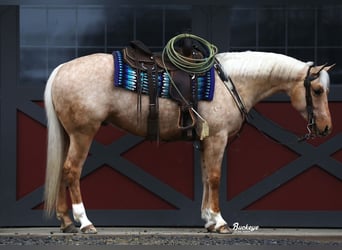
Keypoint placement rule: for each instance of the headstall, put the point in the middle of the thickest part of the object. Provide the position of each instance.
(309, 105)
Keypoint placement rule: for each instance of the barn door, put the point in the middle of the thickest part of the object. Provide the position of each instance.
(268, 180)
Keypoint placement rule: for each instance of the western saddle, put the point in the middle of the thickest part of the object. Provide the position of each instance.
(183, 87)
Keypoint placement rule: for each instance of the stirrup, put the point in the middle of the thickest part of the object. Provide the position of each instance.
(193, 120)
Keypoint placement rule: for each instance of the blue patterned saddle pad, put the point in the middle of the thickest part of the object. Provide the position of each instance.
(126, 77)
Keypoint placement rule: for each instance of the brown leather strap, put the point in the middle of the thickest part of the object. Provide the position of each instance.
(153, 116)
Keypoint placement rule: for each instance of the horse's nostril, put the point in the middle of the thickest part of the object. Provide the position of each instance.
(326, 131)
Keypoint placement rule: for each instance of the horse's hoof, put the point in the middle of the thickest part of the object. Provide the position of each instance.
(70, 229)
(224, 229)
(211, 229)
(89, 229)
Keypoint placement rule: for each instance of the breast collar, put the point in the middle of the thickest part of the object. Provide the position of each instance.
(229, 84)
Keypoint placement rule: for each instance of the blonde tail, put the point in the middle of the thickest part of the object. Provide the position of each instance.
(55, 149)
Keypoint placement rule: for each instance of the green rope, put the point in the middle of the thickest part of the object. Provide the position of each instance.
(190, 65)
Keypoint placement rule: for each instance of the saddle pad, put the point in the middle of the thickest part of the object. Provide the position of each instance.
(126, 77)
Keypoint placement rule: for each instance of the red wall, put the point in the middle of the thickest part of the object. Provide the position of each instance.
(251, 157)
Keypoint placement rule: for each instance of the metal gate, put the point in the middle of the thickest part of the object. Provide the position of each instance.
(269, 185)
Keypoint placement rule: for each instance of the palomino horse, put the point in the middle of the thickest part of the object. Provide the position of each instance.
(80, 96)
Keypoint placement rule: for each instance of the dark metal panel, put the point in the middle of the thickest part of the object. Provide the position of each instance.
(9, 16)
(174, 2)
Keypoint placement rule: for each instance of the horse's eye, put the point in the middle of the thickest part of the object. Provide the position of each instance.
(318, 92)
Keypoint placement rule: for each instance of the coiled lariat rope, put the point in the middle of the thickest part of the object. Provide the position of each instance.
(192, 66)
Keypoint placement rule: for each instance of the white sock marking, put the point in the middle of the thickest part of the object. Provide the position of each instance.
(212, 218)
(80, 215)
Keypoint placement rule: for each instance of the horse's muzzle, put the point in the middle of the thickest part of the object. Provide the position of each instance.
(326, 131)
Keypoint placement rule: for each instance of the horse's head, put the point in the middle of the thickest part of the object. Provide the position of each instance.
(310, 97)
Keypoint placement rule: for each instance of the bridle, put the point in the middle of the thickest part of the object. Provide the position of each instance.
(311, 126)
(309, 105)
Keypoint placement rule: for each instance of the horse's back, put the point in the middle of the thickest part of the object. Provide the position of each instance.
(95, 67)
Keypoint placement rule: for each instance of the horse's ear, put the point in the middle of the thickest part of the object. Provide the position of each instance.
(318, 69)
(327, 68)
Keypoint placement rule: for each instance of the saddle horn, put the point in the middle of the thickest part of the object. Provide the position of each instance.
(186, 47)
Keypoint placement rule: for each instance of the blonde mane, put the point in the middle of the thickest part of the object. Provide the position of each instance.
(261, 64)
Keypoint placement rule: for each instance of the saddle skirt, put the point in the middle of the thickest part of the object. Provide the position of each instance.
(126, 76)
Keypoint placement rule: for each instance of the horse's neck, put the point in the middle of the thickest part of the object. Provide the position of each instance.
(258, 75)
(254, 90)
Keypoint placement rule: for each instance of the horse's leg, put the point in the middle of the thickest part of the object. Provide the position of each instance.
(213, 149)
(71, 174)
(67, 226)
(205, 195)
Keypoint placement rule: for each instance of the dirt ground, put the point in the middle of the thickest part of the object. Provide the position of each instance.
(170, 237)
